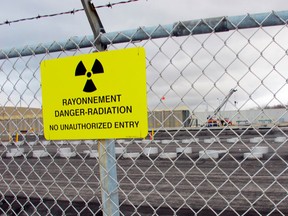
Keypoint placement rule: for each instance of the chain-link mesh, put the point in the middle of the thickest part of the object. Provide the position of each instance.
(217, 107)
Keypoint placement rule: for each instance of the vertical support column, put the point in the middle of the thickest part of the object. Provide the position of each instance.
(108, 177)
(106, 148)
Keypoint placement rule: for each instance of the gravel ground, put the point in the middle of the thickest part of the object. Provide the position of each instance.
(187, 185)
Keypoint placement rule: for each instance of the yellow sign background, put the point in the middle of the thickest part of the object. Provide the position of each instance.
(116, 109)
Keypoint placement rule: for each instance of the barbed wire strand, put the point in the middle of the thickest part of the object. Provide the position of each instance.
(109, 5)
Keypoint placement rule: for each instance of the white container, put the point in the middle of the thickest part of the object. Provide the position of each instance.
(86, 152)
(131, 155)
(16, 152)
(89, 142)
(260, 149)
(208, 154)
(233, 140)
(256, 140)
(120, 150)
(75, 142)
(32, 143)
(251, 155)
(187, 141)
(40, 153)
(150, 151)
(145, 142)
(66, 153)
(165, 142)
(59, 142)
(45, 142)
(220, 151)
(185, 150)
(64, 150)
(168, 155)
(194, 140)
(120, 141)
(211, 140)
(94, 154)
(280, 139)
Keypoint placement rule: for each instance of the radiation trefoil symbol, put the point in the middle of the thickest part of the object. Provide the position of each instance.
(81, 71)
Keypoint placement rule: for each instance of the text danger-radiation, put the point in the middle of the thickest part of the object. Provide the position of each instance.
(93, 111)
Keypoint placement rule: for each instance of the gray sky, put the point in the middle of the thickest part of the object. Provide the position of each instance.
(120, 17)
(152, 13)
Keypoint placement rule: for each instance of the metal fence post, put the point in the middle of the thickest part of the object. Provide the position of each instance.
(106, 148)
(108, 177)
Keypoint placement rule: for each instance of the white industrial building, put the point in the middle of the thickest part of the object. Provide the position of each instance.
(263, 117)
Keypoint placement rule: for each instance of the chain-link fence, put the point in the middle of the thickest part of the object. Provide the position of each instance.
(217, 141)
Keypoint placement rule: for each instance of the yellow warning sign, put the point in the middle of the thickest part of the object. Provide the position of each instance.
(95, 96)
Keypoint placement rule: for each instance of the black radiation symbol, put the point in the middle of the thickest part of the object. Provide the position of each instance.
(81, 70)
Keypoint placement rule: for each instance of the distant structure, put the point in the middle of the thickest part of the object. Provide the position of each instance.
(169, 118)
(23, 120)
(257, 118)
(20, 119)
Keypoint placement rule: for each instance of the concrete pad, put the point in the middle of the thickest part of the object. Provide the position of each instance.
(150, 151)
(168, 155)
(131, 155)
(251, 155)
(185, 150)
(40, 153)
(209, 154)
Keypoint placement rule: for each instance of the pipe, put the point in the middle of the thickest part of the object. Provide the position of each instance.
(192, 27)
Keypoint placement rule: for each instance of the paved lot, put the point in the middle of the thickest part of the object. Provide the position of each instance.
(185, 185)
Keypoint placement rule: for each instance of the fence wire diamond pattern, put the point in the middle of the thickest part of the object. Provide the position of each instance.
(196, 159)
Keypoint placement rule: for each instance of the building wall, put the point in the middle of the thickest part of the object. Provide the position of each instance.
(16, 119)
(168, 118)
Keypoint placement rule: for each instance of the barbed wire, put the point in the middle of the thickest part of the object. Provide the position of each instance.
(109, 5)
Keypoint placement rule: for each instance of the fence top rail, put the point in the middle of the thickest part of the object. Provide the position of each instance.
(182, 28)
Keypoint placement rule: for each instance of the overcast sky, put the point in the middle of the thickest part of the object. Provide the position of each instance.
(152, 13)
(120, 17)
